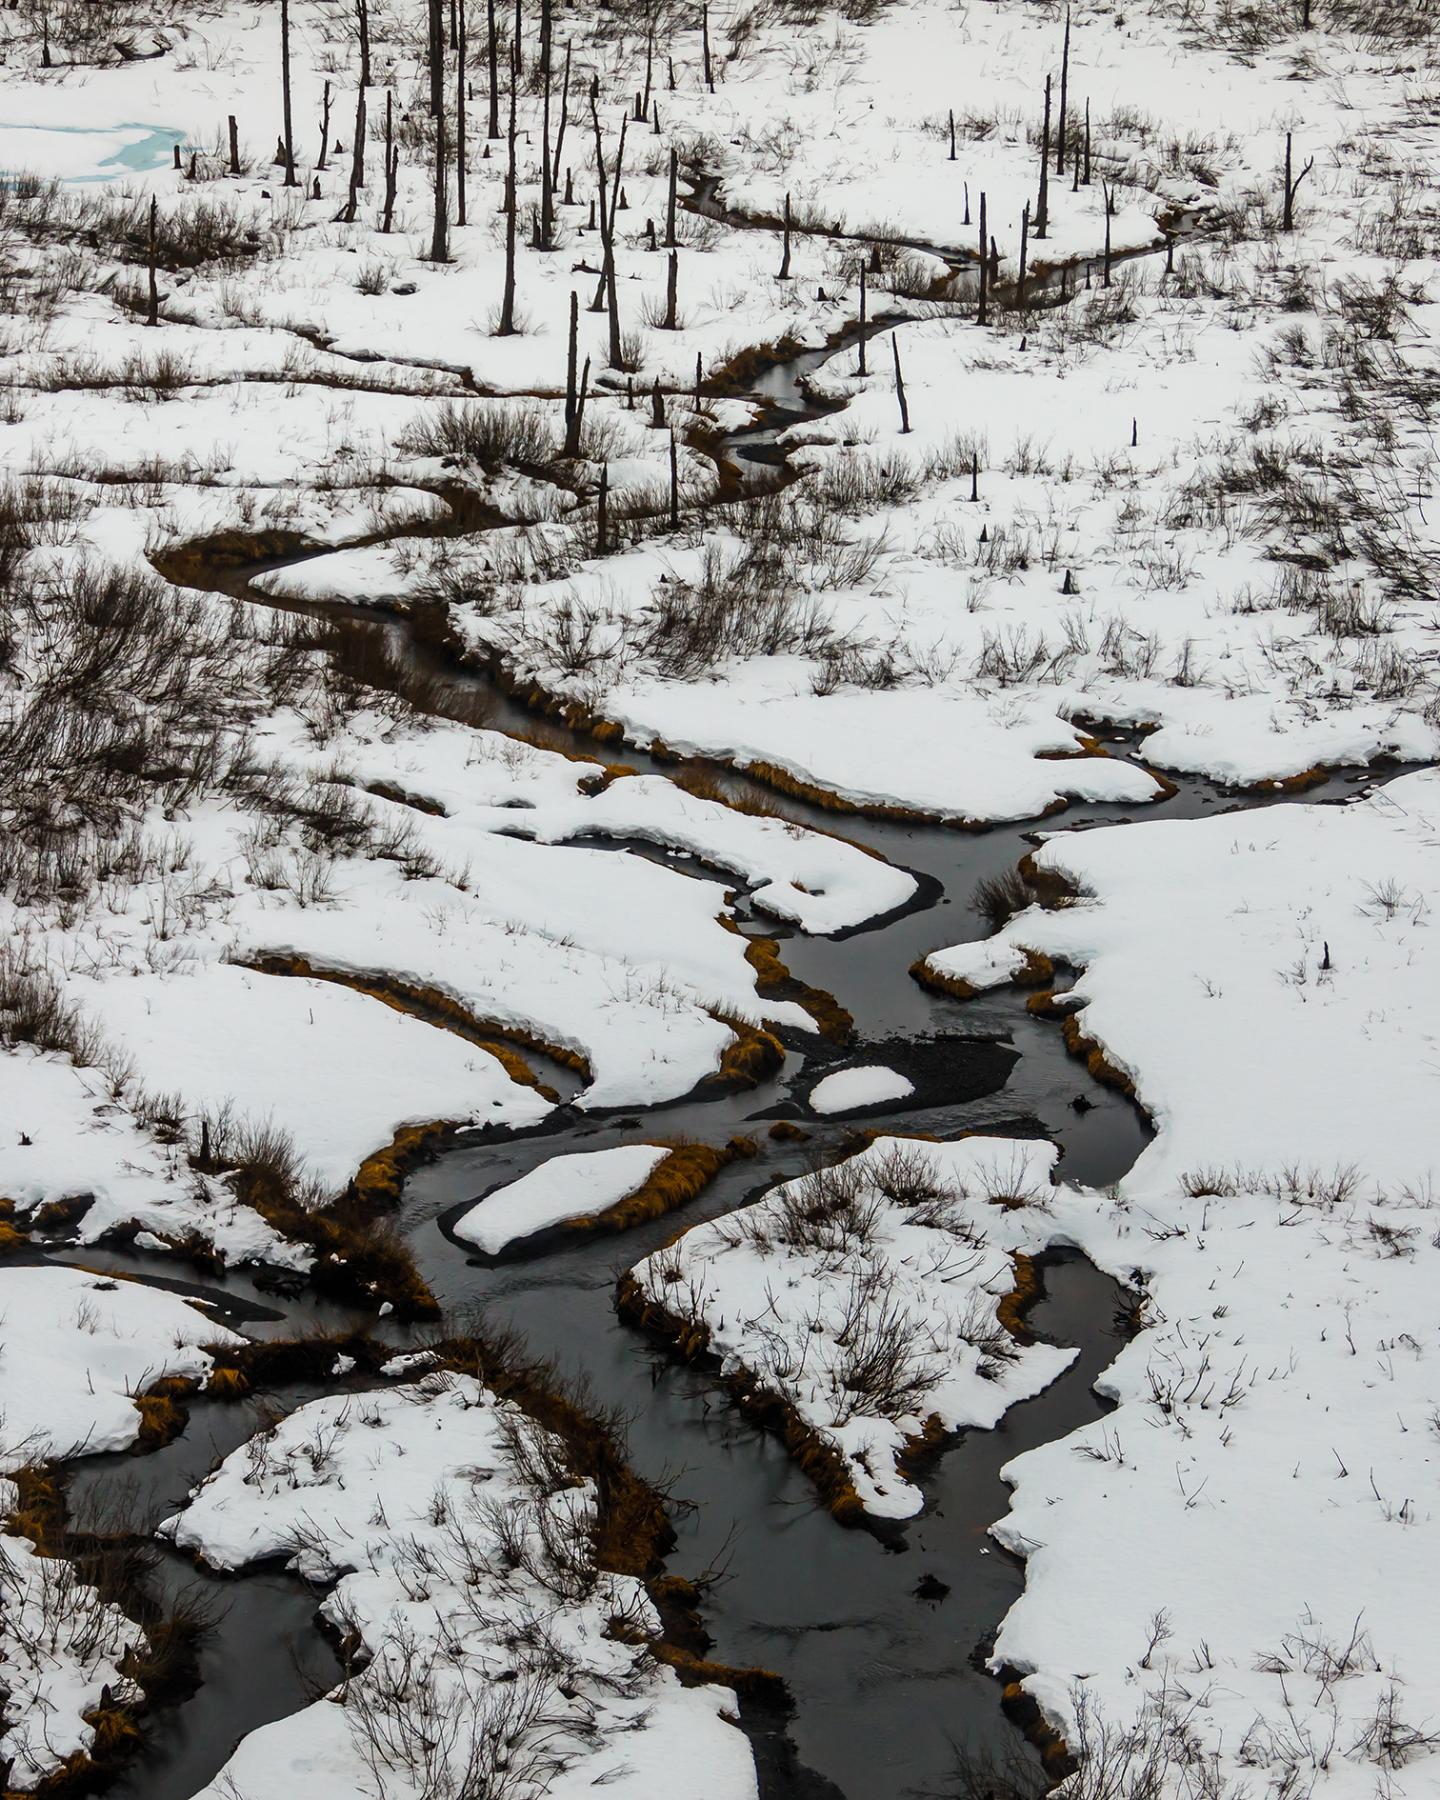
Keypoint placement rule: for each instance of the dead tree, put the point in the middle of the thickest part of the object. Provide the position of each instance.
(324, 127)
(1064, 99)
(152, 314)
(435, 56)
(440, 232)
(492, 130)
(357, 160)
(674, 483)
(705, 47)
(1292, 184)
(506, 327)
(672, 293)
(607, 223)
(289, 141)
(546, 231)
(860, 368)
(560, 135)
(900, 387)
(575, 384)
(671, 198)
(392, 163)
(461, 32)
(785, 253)
(362, 21)
(1024, 256)
(983, 314)
(1042, 205)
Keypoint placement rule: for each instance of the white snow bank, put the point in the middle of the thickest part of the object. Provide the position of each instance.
(1259, 1510)
(68, 1139)
(577, 1186)
(333, 1068)
(476, 1594)
(867, 1085)
(78, 1348)
(866, 1296)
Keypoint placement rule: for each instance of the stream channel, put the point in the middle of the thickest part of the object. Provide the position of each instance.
(889, 1687)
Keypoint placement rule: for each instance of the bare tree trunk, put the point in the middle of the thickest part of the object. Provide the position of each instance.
(362, 17)
(234, 146)
(392, 162)
(900, 388)
(672, 293)
(1024, 256)
(574, 394)
(440, 233)
(461, 46)
(560, 132)
(674, 483)
(983, 315)
(517, 49)
(860, 368)
(1042, 206)
(705, 47)
(152, 316)
(607, 221)
(492, 130)
(357, 160)
(785, 254)
(1064, 98)
(436, 57)
(506, 327)
(670, 199)
(602, 509)
(324, 127)
(547, 180)
(285, 92)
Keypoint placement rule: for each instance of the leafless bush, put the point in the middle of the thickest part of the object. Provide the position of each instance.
(482, 431)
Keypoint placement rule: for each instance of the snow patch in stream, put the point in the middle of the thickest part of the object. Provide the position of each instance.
(576, 1186)
(867, 1085)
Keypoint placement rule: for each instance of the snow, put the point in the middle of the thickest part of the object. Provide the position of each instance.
(414, 1503)
(576, 1186)
(801, 1292)
(79, 1347)
(60, 1649)
(1270, 982)
(83, 1144)
(866, 1085)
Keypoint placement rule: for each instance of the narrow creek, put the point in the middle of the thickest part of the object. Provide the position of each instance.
(888, 1686)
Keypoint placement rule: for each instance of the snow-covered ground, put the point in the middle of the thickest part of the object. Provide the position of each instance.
(866, 1298)
(1240, 1545)
(491, 1648)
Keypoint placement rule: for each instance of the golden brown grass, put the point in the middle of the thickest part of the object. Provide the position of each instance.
(686, 1171)
(751, 1055)
(955, 986)
(1013, 1306)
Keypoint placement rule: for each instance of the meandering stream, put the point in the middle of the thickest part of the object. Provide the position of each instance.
(887, 1684)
